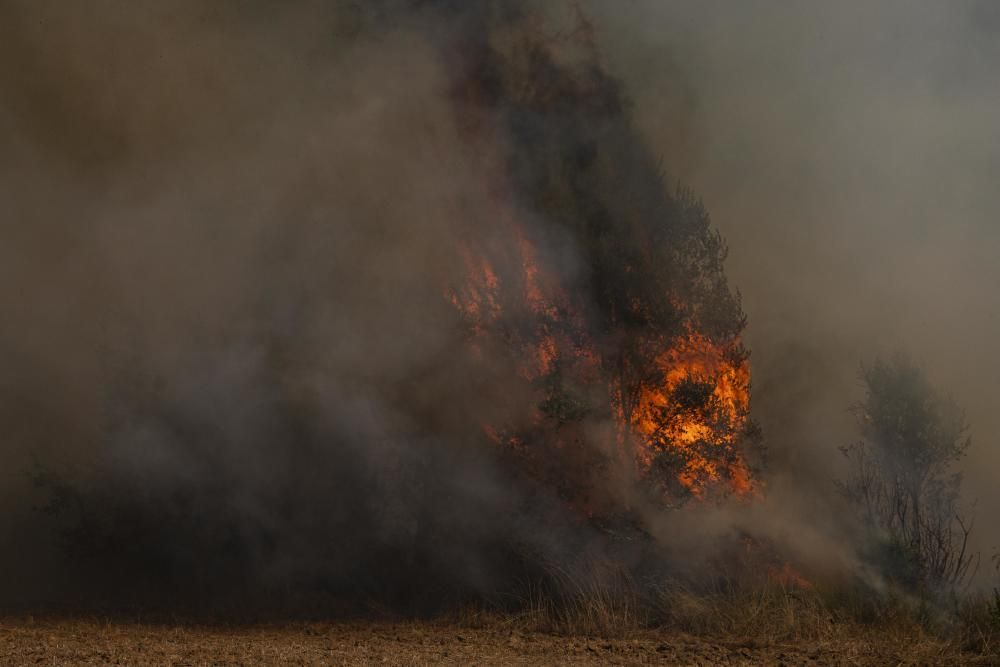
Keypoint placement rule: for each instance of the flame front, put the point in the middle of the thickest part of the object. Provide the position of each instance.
(691, 407)
(693, 413)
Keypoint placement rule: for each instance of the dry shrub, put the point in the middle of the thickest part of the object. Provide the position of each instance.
(978, 624)
(769, 613)
(746, 603)
(601, 599)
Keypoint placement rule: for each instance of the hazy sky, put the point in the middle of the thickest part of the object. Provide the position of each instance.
(850, 153)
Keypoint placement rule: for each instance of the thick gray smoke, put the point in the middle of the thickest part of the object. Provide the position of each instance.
(229, 238)
(849, 152)
(226, 233)
(225, 229)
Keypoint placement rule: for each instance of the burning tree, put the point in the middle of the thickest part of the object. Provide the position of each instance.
(902, 480)
(643, 331)
(572, 319)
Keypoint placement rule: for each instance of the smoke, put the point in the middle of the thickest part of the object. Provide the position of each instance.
(231, 243)
(226, 235)
(227, 232)
(849, 154)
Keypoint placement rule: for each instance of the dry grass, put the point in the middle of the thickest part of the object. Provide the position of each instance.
(598, 616)
(603, 601)
(606, 603)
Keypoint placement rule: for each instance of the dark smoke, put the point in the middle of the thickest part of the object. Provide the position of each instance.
(223, 231)
(233, 369)
(229, 366)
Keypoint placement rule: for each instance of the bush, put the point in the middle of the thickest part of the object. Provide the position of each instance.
(902, 483)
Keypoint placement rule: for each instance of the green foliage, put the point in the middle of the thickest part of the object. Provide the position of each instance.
(917, 433)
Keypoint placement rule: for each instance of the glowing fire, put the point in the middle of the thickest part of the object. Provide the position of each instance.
(691, 409)
(695, 411)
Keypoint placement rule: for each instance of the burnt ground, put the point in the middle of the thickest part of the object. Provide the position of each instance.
(27, 641)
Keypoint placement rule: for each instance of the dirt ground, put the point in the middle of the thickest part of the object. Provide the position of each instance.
(27, 641)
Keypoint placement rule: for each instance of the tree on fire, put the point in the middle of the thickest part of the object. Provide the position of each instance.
(624, 373)
(901, 478)
(651, 301)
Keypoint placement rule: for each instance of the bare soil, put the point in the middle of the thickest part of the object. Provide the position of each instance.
(28, 641)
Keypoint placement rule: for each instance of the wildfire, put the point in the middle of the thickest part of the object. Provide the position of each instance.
(691, 410)
(694, 411)
(477, 298)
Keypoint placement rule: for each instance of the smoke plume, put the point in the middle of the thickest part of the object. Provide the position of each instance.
(235, 240)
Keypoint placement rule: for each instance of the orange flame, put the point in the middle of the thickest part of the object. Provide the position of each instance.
(704, 434)
(690, 413)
